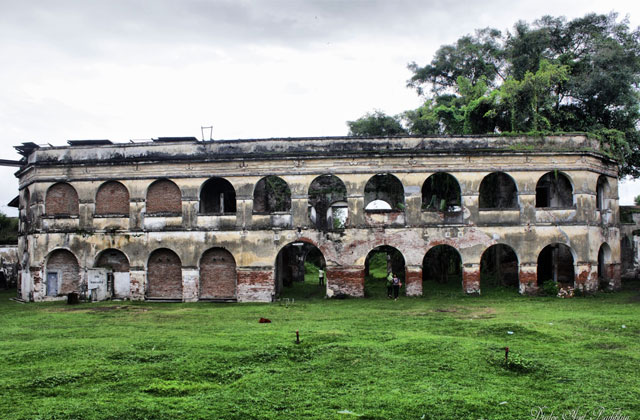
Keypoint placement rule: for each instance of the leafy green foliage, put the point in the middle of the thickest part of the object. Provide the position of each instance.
(636, 200)
(552, 75)
(8, 229)
(550, 288)
(376, 123)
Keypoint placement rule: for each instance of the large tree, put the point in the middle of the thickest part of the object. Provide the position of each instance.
(552, 75)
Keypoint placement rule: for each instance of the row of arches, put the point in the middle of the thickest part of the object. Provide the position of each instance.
(217, 274)
(327, 194)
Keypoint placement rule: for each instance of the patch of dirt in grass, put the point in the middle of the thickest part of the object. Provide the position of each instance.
(481, 313)
(101, 309)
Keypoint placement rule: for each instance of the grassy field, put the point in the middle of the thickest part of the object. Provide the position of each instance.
(436, 357)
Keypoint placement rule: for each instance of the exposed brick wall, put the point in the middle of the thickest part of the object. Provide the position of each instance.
(255, 285)
(112, 198)
(113, 259)
(346, 281)
(66, 264)
(217, 274)
(164, 275)
(61, 199)
(163, 196)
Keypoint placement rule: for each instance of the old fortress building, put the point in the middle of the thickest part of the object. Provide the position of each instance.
(187, 220)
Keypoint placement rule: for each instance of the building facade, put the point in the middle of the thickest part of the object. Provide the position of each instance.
(186, 220)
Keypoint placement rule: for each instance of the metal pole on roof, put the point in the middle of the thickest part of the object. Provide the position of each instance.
(210, 128)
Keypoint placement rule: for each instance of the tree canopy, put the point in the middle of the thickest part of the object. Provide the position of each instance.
(552, 75)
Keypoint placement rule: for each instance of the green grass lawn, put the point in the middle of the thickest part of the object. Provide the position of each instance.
(435, 357)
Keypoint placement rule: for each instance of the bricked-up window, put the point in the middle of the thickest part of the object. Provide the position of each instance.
(217, 275)
(555, 263)
(441, 192)
(384, 188)
(602, 192)
(164, 275)
(499, 267)
(554, 190)
(217, 197)
(62, 273)
(441, 265)
(113, 259)
(498, 191)
(271, 195)
(112, 198)
(324, 192)
(164, 198)
(61, 200)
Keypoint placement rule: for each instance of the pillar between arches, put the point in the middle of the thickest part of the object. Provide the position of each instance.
(345, 280)
(613, 275)
(190, 278)
(255, 284)
(413, 281)
(471, 279)
(138, 281)
(528, 278)
(586, 277)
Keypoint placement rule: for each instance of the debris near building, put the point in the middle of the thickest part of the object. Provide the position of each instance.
(177, 219)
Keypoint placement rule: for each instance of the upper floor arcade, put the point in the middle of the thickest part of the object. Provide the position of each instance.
(378, 182)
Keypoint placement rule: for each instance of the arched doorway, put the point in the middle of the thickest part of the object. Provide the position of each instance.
(116, 265)
(62, 273)
(498, 191)
(218, 277)
(604, 261)
(555, 263)
(164, 275)
(499, 268)
(299, 266)
(381, 261)
(442, 269)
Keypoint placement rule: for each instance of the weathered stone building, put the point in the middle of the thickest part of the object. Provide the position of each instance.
(181, 219)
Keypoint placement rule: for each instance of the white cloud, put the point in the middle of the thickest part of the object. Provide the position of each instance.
(138, 69)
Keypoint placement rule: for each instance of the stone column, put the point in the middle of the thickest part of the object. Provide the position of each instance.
(413, 281)
(471, 279)
(138, 283)
(255, 284)
(613, 275)
(345, 280)
(190, 280)
(528, 278)
(586, 277)
(300, 212)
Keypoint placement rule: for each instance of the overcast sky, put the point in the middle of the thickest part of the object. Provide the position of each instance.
(123, 70)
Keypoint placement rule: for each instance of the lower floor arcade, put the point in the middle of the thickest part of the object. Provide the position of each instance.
(262, 266)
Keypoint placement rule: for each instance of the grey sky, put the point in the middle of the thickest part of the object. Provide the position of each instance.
(140, 69)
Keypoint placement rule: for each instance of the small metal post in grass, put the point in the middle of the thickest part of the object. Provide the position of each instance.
(506, 355)
(297, 337)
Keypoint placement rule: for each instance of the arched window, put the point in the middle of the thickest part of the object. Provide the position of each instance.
(61, 200)
(327, 198)
(602, 193)
(164, 197)
(498, 191)
(554, 190)
(217, 196)
(441, 192)
(62, 273)
(112, 198)
(164, 275)
(384, 188)
(218, 276)
(271, 195)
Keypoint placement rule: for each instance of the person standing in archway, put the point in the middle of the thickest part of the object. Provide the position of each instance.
(396, 286)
